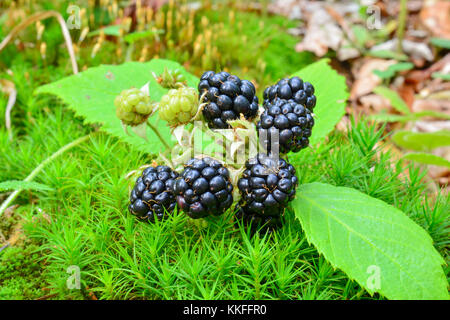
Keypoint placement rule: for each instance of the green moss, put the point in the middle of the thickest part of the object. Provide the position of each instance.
(20, 273)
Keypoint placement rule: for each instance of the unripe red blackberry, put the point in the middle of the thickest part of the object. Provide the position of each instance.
(227, 97)
(178, 106)
(291, 89)
(133, 106)
(152, 196)
(204, 188)
(267, 185)
(288, 122)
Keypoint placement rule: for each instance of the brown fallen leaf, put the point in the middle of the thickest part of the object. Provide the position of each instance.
(439, 173)
(365, 79)
(418, 78)
(322, 33)
(431, 126)
(374, 103)
(431, 105)
(327, 27)
(414, 49)
(406, 92)
(288, 8)
(435, 16)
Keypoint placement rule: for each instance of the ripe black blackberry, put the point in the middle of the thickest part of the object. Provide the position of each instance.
(288, 122)
(267, 186)
(227, 98)
(204, 188)
(255, 221)
(152, 196)
(291, 89)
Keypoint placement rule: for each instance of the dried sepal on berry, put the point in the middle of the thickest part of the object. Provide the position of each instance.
(171, 79)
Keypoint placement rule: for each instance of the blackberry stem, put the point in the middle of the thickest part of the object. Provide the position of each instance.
(33, 174)
(158, 134)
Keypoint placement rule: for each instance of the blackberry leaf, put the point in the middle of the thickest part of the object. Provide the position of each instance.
(374, 243)
(91, 95)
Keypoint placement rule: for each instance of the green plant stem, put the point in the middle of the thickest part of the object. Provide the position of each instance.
(156, 131)
(401, 24)
(33, 174)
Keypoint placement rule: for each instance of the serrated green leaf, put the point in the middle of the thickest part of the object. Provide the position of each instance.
(332, 94)
(25, 185)
(396, 101)
(421, 141)
(427, 158)
(370, 240)
(91, 95)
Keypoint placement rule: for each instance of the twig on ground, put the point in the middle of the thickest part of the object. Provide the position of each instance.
(4, 247)
(9, 88)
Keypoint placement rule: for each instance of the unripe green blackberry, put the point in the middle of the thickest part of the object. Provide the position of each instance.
(133, 106)
(171, 79)
(179, 106)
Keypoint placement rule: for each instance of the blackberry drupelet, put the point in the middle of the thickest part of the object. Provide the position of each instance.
(152, 196)
(227, 98)
(267, 185)
(291, 121)
(291, 89)
(204, 188)
(267, 224)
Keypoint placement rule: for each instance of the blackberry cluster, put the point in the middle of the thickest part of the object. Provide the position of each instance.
(291, 89)
(227, 97)
(152, 196)
(291, 122)
(267, 186)
(204, 188)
